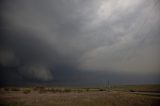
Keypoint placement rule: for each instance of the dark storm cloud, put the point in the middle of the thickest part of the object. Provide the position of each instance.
(76, 40)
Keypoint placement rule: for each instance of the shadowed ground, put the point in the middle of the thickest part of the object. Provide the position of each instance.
(74, 97)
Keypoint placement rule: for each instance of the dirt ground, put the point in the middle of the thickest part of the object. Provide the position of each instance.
(94, 98)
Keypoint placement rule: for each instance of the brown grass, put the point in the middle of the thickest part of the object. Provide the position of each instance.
(81, 97)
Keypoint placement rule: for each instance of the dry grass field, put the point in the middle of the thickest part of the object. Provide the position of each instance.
(42, 96)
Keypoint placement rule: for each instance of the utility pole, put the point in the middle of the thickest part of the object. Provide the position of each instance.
(107, 85)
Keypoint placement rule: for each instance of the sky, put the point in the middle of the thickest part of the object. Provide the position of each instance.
(79, 42)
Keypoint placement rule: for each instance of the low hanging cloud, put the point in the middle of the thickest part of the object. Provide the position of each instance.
(69, 36)
(8, 58)
(37, 72)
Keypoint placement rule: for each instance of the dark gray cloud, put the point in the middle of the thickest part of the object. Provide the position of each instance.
(76, 41)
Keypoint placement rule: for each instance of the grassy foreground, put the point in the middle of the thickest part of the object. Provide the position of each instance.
(42, 96)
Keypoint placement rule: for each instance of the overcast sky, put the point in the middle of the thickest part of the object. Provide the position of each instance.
(79, 41)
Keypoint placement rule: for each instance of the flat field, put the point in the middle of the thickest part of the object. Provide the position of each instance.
(51, 96)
